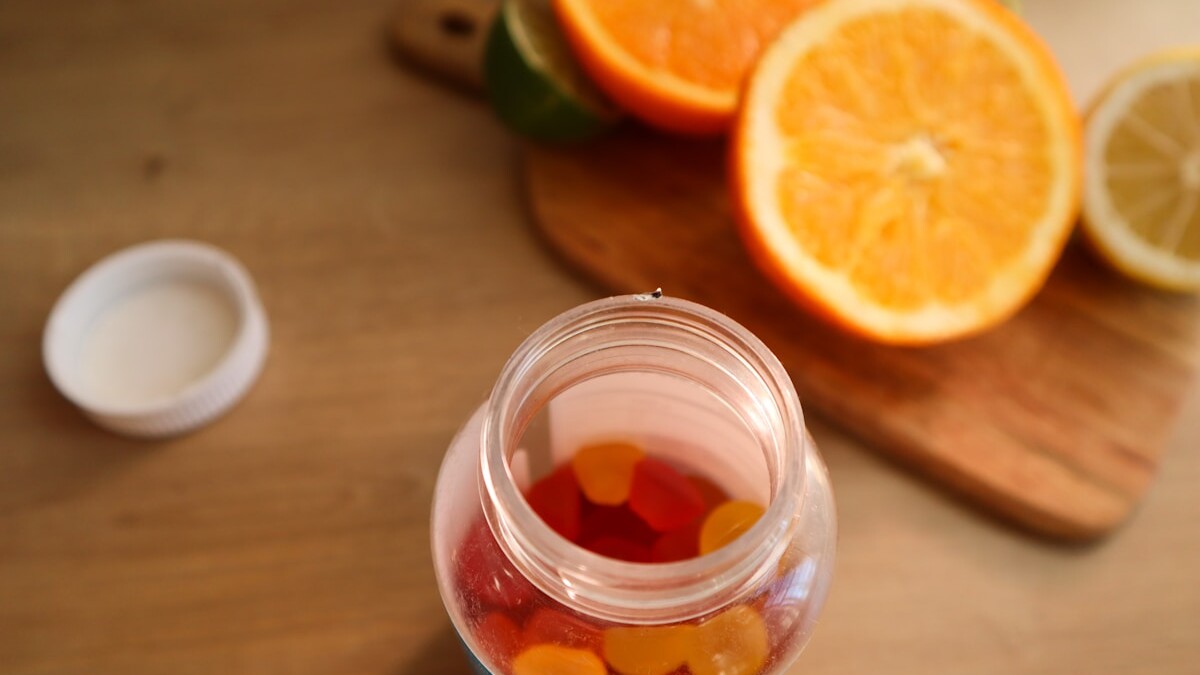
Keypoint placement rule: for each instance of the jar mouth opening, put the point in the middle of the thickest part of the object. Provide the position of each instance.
(569, 350)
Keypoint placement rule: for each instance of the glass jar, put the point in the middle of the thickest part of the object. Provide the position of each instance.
(694, 389)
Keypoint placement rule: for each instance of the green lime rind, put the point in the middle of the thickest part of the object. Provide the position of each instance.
(534, 84)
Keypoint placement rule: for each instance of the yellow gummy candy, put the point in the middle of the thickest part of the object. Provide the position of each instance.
(731, 643)
(605, 472)
(647, 650)
(726, 523)
(547, 659)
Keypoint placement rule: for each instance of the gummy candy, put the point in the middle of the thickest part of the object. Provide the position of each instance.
(499, 637)
(552, 626)
(726, 523)
(616, 502)
(483, 571)
(731, 643)
(555, 498)
(677, 545)
(712, 494)
(605, 471)
(663, 497)
(615, 521)
(555, 660)
(647, 650)
(619, 548)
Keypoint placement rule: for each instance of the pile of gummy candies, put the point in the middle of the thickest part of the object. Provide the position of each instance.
(613, 500)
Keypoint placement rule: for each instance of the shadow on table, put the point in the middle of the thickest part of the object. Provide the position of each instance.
(54, 452)
(440, 655)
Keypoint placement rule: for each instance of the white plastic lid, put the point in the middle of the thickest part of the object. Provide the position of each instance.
(157, 339)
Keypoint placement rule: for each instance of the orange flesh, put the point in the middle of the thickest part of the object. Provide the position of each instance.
(677, 64)
(920, 176)
(710, 44)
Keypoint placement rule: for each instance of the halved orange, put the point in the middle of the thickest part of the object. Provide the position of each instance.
(908, 168)
(676, 64)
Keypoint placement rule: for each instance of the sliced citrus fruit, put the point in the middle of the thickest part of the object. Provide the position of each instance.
(1141, 199)
(534, 84)
(676, 64)
(908, 168)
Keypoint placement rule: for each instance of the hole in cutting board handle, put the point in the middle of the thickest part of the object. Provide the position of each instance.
(457, 25)
(445, 37)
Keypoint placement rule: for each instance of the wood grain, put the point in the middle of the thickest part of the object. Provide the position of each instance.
(381, 217)
(447, 37)
(1055, 420)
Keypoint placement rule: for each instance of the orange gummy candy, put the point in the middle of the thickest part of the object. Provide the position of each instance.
(731, 643)
(726, 523)
(556, 660)
(647, 650)
(605, 471)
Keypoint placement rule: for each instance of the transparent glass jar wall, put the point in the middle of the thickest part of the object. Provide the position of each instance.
(691, 387)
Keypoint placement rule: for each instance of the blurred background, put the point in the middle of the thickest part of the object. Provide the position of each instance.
(382, 217)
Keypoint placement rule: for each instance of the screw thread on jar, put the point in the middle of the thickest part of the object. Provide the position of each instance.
(682, 342)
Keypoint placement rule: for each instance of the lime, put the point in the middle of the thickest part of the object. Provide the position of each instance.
(533, 81)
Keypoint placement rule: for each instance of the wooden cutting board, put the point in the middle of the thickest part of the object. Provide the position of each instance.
(1056, 420)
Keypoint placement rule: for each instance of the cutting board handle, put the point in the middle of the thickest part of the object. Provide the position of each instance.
(446, 37)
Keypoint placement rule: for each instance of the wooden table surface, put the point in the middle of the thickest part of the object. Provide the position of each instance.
(381, 217)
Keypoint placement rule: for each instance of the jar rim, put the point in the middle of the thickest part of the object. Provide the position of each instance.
(628, 592)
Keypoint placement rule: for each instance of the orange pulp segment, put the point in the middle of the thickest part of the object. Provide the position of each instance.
(556, 660)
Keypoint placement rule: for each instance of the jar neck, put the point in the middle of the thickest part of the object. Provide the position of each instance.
(651, 334)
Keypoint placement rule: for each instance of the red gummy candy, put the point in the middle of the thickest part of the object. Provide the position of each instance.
(677, 545)
(619, 548)
(615, 521)
(663, 497)
(714, 495)
(499, 638)
(555, 498)
(560, 628)
(485, 575)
